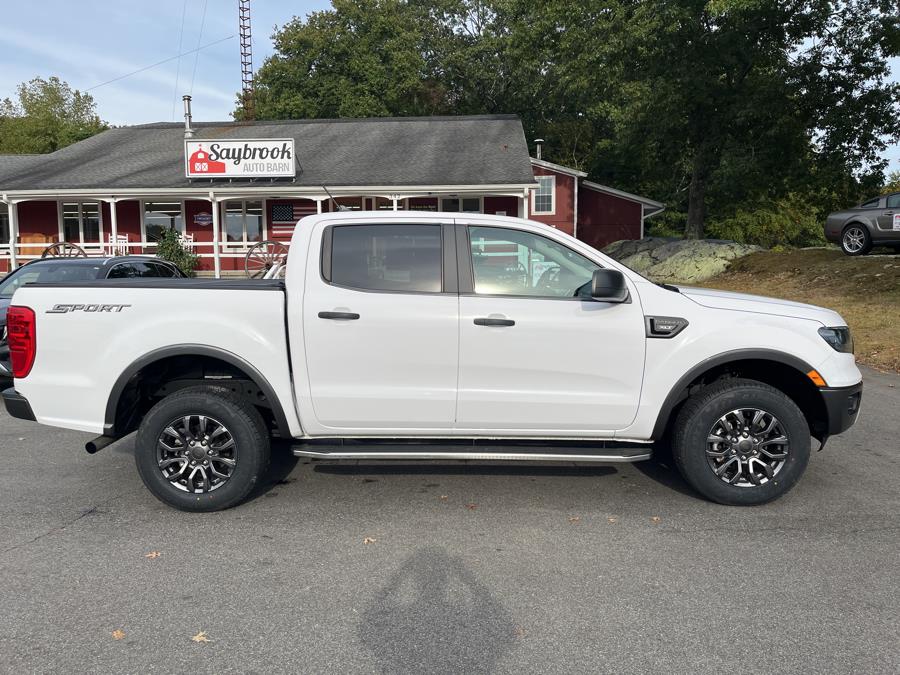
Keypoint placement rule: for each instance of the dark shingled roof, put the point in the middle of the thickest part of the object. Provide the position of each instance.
(483, 149)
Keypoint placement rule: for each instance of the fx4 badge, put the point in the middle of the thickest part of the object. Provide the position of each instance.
(65, 309)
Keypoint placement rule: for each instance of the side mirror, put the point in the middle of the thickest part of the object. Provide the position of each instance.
(609, 286)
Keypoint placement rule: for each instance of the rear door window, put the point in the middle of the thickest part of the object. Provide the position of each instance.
(398, 258)
(893, 201)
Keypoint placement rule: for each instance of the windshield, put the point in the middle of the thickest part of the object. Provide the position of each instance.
(45, 272)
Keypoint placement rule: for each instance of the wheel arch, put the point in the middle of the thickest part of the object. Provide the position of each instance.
(781, 370)
(116, 422)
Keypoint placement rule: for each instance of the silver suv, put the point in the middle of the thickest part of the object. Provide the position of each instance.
(875, 222)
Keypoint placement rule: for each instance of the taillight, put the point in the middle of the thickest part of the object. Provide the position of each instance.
(21, 338)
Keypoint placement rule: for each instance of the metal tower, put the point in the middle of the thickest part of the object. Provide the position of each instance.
(246, 59)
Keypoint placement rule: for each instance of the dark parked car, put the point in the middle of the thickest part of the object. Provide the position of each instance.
(875, 222)
(73, 269)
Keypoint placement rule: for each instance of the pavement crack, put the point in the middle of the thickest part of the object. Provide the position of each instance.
(60, 528)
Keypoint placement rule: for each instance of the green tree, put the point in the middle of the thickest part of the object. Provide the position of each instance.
(720, 108)
(47, 115)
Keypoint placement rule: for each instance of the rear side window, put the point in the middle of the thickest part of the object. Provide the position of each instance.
(893, 202)
(386, 258)
(133, 270)
(163, 270)
(871, 204)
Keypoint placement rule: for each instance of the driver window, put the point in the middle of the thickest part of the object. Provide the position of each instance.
(513, 262)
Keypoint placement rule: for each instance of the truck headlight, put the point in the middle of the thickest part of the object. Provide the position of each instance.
(838, 337)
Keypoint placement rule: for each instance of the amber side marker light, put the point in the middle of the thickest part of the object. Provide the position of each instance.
(816, 378)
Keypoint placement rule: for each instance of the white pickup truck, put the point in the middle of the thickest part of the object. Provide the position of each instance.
(409, 336)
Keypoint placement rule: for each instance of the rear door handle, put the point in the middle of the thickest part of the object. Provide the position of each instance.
(494, 322)
(339, 316)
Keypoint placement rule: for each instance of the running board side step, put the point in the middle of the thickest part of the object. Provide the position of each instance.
(490, 451)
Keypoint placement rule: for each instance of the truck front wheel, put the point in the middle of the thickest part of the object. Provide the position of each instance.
(202, 449)
(741, 442)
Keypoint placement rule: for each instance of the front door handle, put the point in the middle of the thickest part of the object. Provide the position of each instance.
(494, 322)
(339, 316)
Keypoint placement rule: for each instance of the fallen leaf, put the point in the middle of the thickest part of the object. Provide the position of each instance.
(519, 631)
(611, 519)
(200, 637)
(369, 540)
(471, 507)
(655, 519)
(575, 519)
(444, 497)
(153, 554)
(118, 634)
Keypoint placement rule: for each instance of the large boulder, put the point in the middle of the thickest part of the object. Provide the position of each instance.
(678, 260)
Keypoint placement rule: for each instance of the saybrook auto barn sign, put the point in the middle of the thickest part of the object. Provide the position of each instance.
(240, 158)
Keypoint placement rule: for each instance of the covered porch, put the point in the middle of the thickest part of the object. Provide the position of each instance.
(220, 225)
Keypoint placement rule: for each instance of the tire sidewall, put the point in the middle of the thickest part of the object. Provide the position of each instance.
(692, 445)
(867, 241)
(251, 459)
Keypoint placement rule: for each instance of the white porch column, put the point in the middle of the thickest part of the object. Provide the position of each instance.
(113, 227)
(13, 233)
(394, 200)
(523, 206)
(215, 242)
(318, 206)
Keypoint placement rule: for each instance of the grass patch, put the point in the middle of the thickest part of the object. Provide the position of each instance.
(864, 290)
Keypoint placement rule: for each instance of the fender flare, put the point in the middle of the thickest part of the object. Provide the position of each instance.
(112, 404)
(675, 394)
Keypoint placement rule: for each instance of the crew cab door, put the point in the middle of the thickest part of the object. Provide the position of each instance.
(534, 358)
(380, 323)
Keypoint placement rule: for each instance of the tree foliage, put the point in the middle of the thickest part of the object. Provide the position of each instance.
(720, 108)
(47, 115)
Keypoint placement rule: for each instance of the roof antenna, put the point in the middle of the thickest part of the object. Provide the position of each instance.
(337, 207)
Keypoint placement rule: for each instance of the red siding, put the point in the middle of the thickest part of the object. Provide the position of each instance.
(605, 218)
(562, 218)
(510, 205)
(128, 221)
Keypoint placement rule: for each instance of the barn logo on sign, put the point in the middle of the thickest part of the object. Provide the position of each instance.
(244, 158)
(200, 163)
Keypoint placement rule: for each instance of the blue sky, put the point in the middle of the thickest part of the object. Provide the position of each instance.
(88, 42)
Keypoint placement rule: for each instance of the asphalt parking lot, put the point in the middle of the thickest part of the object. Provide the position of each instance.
(469, 568)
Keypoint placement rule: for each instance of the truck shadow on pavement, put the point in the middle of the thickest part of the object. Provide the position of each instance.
(433, 615)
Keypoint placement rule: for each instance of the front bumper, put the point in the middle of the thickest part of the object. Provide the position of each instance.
(842, 405)
(17, 405)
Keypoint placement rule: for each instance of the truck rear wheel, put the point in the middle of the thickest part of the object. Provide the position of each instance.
(202, 449)
(741, 442)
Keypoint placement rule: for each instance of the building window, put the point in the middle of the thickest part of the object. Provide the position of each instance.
(4, 225)
(81, 223)
(243, 222)
(158, 216)
(543, 200)
(465, 205)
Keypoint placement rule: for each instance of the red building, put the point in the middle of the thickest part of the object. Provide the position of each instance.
(117, 191)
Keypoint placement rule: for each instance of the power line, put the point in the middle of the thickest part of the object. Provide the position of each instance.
(178, 67)
(197, 55)
(158, 63)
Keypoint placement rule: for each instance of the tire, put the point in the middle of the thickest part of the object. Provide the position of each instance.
(211, 483)
(699, 460)
(856, 240)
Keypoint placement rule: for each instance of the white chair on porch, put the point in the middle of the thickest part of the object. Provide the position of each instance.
(117, 247)
(187, 238)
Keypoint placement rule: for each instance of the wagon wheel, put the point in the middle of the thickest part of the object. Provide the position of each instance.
(63, 249)
(263, 256)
